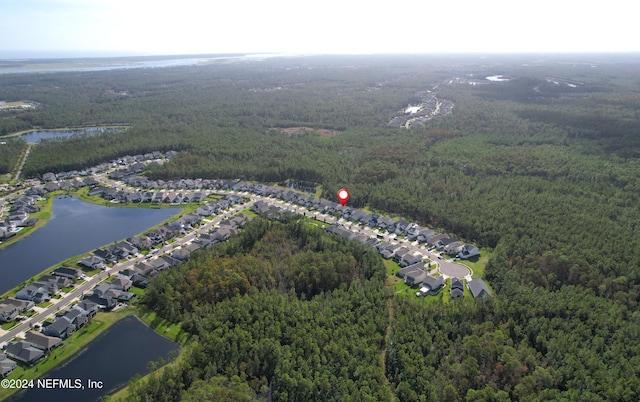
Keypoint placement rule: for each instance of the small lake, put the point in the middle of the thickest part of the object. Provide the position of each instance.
(37, 136)
(114, 357)
(75, 227)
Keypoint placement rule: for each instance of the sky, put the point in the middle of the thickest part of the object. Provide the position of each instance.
(42, 28)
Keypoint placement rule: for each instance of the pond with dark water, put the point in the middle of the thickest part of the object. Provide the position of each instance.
(75, 227)
(113, 358)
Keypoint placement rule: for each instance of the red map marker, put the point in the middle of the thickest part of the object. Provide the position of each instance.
(343, 196)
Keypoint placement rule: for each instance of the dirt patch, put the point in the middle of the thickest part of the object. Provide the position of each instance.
(322, 132)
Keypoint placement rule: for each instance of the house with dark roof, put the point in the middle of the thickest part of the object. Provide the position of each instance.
(410, 259)
(76, 317)
(431, 285)
(121, 284)
(61, 328)
(67, 272)
(478, 288)
(106, 303)
(87, 307)
(59, 281)
(457, 288)
(413, 274)
(25, 352)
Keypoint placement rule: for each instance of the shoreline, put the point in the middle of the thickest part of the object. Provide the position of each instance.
(72, 128)
(15, 239)
(76, 343)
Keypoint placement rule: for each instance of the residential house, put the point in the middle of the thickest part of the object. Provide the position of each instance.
(431, 241)
(457, 288)
(76, 317)
(413, 274)
(59, 281)
(431, 285)
(6, 365)
(478, 288)
(67, 272)
(107, 255)
(468, 251)
(21, 305)
(410, 259)
(42, 341)
(87, 307)
(141, 242)
(25, 352)
(121, 283)
(123, 249)
(8, 312)
(443, 242)
(400, 253)
(92, 262)
(453, 248)
(35, 293)
(61, 328)
(106, 303)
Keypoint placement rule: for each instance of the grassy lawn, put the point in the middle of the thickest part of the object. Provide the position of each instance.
(248, 212)
(44, 304)
(162, 326)
(392, 267)
(478, 263)
(69, 346)
(8, 325)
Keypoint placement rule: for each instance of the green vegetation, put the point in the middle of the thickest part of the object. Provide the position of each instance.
(281, 306)
(543, 173)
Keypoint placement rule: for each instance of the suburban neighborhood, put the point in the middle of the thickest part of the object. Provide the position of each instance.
(55, 305)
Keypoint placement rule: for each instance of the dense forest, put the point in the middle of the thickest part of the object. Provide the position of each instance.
(543, 167)
(286, 309)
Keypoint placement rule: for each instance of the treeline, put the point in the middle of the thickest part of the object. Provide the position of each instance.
(10, 151)
(527, 345)
(266, 255)
(283, 311)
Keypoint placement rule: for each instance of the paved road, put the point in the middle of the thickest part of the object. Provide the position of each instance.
(448, 268)
(79, 290)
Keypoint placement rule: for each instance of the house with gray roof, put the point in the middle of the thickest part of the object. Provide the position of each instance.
(468, 251)
(92, 262)
(6, 365)
(431, 285)
(457, 288)
(61, 328)
(42, 341)
(25, 352)
(70, 273)
(478, 288)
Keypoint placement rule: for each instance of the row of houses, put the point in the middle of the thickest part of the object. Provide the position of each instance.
(37, 343)
(103, 167)
(399, 227)
(38, 291)
(18, 215)
(413, 268)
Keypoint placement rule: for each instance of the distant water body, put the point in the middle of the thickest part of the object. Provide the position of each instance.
(37, 136)
(21, 66)
(75, 227)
